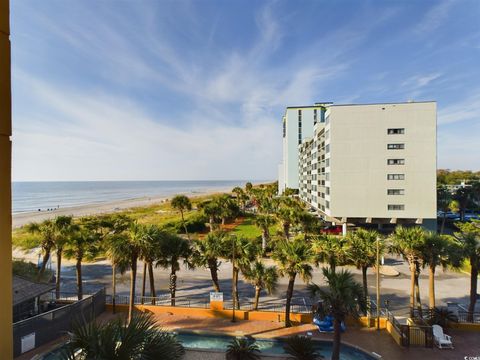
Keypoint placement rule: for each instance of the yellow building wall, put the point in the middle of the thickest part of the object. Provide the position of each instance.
(6, 332)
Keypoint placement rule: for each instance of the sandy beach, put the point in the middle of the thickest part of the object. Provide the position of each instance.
(20, 219)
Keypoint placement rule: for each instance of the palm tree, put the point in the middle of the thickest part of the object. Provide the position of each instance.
(361, 251)
(140, 338)
(173, 248)
(81, 244)
(242, 349)
(208, 251)
(469, 238)
(241, 197)
(408, 242)
(329, 249)
(46, 229)
(293, 258)
(301, 348)
(444, 198)
(261, 277)
(463, 196)
(227, 208)
(63, 227)
(343, 297)
(212, 210)
(115, 226)
(248, 188)
(264, 222)
(182, 203)
(309, 222)
(128, 246)
(150, 252)
(240, 252)
(438, 250)
(287, 213)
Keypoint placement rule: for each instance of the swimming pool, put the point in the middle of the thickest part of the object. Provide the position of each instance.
(274, 347)
(220, 342)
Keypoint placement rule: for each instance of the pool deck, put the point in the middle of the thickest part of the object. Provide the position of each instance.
(467, 343)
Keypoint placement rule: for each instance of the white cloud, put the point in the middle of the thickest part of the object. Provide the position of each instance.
(435, 17)
(102, 137)
(464, 110)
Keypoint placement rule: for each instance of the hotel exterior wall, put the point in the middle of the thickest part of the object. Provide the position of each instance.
(358, 160)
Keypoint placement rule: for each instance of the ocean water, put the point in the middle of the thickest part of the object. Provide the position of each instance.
(31, 196)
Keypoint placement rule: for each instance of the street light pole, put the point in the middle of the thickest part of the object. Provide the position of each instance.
(234, 292)
(378, 283)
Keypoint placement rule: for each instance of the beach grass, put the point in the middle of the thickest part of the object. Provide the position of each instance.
(249, 230)
(159, 214)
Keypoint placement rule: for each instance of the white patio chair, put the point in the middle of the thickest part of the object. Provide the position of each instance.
(442, 340)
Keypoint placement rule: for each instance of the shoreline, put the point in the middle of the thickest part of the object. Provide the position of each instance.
(108, 207)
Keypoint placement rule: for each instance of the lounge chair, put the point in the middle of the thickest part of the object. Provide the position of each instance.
(441, 340)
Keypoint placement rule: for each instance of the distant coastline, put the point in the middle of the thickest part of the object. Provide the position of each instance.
(103, 205)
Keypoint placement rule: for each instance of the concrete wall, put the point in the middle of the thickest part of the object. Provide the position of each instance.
(220, 313)
(358, 160)
(6, 340)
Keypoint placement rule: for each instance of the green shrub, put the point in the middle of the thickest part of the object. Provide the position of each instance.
(195, 223)
(242, 349)
(29, 271)
(301, 348)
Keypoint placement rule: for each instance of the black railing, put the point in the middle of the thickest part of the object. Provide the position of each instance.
(298, 305)
(273, 306)
(456, 314)
(163, 300)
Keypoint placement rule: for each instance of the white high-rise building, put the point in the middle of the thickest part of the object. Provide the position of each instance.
(372, 163)
(298, 123)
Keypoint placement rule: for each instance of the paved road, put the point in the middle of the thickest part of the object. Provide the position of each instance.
(196, 284)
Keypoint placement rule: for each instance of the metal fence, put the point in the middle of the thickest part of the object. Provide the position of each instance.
(298, 305)
(41, 329)
(164, 300)
(458, 314)
(412, 334)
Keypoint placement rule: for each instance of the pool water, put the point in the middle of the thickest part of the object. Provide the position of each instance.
(274, 347)
(220, 342)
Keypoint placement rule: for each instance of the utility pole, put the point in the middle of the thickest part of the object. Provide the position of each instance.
(378, 283)
(234, 292)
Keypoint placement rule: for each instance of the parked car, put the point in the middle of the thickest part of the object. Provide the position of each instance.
(332, 230)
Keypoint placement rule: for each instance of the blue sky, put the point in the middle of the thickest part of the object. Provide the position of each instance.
(147, 90)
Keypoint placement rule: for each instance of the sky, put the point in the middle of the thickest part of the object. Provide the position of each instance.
(190, 90)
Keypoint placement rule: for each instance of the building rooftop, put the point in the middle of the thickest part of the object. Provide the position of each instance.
(24, 289)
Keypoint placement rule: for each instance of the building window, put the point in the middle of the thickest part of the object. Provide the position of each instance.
(395, 146)
(284, 128)
(327, 176)
(299, 126)
(327, 148)
(396, 131)
(327, 162)
(314, 116)
(395, 192)
(327, 204)
(396, 177)
(396, 207)
(396, 161)
(327, 190)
